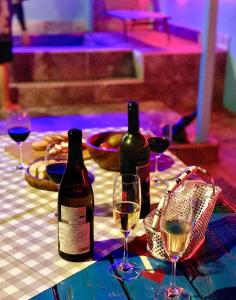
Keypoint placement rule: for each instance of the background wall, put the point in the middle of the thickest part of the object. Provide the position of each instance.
(190, 13)
(56, 16)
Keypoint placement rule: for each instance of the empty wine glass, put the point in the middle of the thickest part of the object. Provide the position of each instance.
(159, 144)
(126, 212)
(19, 127)
(56, 156)
(175, 227)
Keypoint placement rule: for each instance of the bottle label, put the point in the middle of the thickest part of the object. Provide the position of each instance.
(74, 232)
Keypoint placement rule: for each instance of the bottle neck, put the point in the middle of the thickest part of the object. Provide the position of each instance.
(75, 154)
(133, 117)
(185, 121)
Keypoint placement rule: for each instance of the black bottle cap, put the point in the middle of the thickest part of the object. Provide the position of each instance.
(75, 138)
(74, 132)
(132, 105)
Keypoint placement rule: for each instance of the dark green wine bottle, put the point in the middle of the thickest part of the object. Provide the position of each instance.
(134, 155)
(75, 205)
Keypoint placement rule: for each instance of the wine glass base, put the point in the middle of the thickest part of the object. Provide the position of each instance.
(160, 182)
(21, 167)
(125, 272)
(51, 217)
(167, 293)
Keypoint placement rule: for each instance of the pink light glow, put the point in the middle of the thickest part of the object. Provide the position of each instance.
(181, 2)
(143, 4)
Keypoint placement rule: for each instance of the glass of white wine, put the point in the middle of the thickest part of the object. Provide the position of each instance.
(126, 212)
(175, 227)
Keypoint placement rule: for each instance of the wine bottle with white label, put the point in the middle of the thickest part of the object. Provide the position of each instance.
(75, 205)
(134, 156)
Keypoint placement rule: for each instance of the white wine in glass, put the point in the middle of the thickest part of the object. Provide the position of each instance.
(126, 212)
(175, 236)
(126, 215)
(175, 227)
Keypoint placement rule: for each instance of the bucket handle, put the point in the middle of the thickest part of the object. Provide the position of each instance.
(174, 184)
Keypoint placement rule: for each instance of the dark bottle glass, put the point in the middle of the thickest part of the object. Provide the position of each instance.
(179, 134)
(75, 205)
(134, 156)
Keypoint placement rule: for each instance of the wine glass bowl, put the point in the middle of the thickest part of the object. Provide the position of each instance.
(175, 228)
(56, 156)
(126, 213)
(18, 128)
(159, 144)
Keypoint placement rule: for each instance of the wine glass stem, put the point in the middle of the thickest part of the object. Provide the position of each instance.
(52, 216)
(172, 289)
(20, 164)
(157, 156)
(125, 253)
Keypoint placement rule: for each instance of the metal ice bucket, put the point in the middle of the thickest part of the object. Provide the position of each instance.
(203, 195)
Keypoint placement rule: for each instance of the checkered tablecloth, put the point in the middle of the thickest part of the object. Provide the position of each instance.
(29, 261)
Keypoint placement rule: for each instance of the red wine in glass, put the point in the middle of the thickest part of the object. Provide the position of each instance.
(55, 171)
(19, 134)
(159, 144)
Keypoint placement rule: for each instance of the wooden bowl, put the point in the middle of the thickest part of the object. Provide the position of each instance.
(106, 158)
(42, 184)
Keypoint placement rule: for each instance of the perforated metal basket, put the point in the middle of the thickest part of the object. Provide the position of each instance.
(203, 194)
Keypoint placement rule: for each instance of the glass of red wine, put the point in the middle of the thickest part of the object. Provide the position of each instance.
(56, 156)
(159, 144)
(19, 127)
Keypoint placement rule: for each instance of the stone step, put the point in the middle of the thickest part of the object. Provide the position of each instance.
(48, 94)
(60, 77)
(44, 64)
